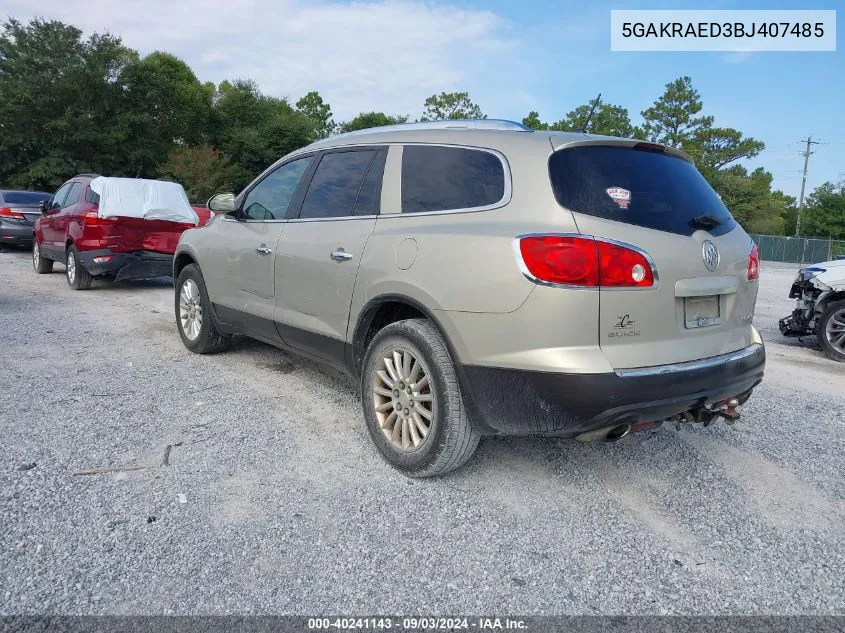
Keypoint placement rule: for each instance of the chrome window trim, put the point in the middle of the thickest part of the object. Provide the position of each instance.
(298, 220)
(706, 363)
(507, 194)
(517, 252)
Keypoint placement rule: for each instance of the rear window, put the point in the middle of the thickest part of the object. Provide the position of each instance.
(446, 178)
(92, 196)
(646, 188)
(23, 197)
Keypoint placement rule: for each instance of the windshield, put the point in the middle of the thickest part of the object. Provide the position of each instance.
(637, 186)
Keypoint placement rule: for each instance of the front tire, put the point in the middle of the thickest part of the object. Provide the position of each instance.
(196, 326)
(41, 264)
(412, 402)
(77, 277)
(831, 331)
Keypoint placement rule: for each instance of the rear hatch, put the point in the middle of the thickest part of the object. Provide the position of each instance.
(701, 303)
(125, 234)
(23, 206)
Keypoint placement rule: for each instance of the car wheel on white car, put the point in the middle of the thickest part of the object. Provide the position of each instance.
(77, 277)
(412, 403)
(41, 264)
(197, 328)
(831, 331)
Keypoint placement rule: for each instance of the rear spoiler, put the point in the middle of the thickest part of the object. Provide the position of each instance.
(565, 142)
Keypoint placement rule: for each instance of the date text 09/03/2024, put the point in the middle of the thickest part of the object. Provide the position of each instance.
(417, 623)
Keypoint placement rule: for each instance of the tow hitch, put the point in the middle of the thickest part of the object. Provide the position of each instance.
(727, 410)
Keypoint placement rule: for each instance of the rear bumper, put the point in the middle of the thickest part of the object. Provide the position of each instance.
(521, 402)
(14, 233)
(134, 265)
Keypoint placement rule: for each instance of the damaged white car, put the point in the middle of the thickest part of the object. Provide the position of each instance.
(820, 310)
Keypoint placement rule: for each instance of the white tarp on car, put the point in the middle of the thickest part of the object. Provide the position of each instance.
(145, 199)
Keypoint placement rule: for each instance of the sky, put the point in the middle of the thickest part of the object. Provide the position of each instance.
(512, 56)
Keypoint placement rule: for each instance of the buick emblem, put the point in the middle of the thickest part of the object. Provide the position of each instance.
(710, 255)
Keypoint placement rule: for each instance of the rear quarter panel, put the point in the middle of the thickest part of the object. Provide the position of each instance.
(461, 266)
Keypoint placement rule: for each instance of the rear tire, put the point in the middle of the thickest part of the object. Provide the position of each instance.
(831, 331)
(413, 406)
(41, 264)
(194, 321)
(77, 277)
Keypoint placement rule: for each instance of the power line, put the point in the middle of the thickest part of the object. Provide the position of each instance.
(807, 154)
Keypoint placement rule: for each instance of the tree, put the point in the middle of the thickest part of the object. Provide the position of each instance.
(318, 112)
(750, 199)
(672, 119)
(254, 130)
(202, 171)
(610, 120)
(166, 106)
(451, 105)
(824, 213)
(716, 148)
(371, 119)
(60, 103)
(607, 119)
(533, 121)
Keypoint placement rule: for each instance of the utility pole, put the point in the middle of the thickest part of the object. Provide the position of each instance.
(806, 154)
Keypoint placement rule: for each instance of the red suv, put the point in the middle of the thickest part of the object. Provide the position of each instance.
(70, 231)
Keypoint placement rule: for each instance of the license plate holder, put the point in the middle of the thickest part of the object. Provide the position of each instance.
(702, 311)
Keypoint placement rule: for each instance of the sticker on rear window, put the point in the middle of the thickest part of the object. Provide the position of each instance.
(622, 197)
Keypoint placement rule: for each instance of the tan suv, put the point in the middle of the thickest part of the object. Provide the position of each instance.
(481, 278)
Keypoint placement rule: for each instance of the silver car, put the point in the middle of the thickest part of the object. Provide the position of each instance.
(480, 278)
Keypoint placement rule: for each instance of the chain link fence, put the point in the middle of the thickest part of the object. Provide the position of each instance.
(799, 250)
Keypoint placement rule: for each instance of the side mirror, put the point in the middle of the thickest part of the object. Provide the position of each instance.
(222, 203)
(44, 206)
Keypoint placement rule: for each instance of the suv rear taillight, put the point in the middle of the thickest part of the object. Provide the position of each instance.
(6, 212)
(585, 261)
(92, 219)
(754, 263)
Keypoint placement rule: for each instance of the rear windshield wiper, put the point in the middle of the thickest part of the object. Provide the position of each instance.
(705, 221)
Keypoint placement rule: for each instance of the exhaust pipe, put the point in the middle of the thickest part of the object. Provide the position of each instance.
(606, 434)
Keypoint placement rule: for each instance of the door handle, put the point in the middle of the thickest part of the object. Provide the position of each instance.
(340, 255)
(263, 250)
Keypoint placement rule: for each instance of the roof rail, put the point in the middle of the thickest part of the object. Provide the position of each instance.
(450, 124)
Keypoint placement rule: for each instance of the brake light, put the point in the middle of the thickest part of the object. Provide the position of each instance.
(754, 263)
(624, 267)
(92, 219)
(584, 261)
(6, 212)
(561, 259)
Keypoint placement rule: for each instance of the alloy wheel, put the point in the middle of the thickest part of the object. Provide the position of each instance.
(834, 331)
(71, 267)
(36, 256)
(404, 400)
(190, 309)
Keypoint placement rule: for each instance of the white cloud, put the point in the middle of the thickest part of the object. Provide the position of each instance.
(387, 55)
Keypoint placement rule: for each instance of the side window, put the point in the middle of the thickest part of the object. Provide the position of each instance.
(337, 180)
(92, 196)
(369, 198)
(443, 178)
(60, 195)
(270, 198)
(73, 195)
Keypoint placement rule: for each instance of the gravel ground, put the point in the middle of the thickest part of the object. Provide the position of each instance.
(275, 501)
